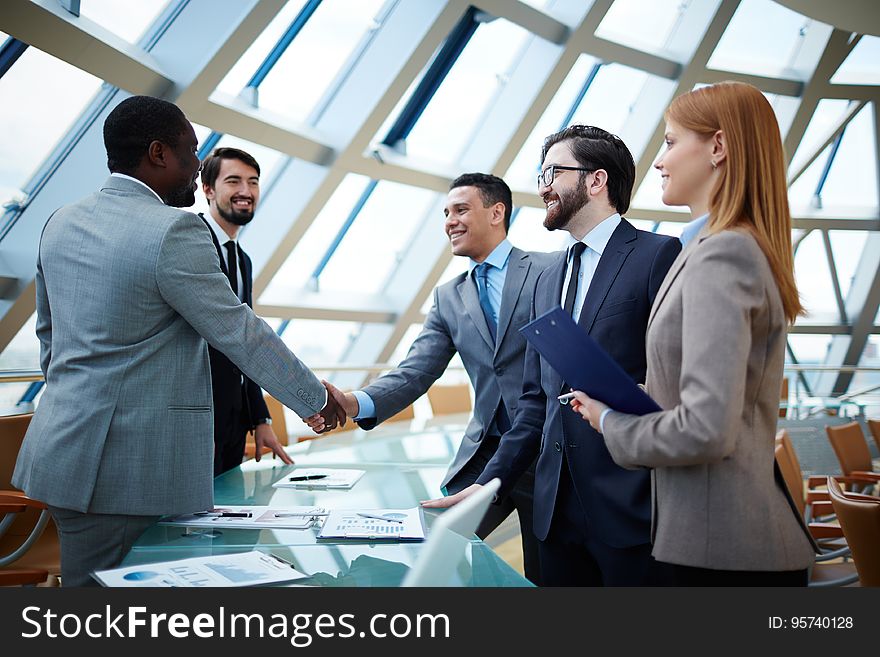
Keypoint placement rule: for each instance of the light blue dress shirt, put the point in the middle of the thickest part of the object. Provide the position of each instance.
(596, 241)
(495, 283)
(693, 228)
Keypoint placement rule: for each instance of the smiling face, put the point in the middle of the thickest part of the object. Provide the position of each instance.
(686, 168)
(236, 192)
(568, 193)
(473, 229)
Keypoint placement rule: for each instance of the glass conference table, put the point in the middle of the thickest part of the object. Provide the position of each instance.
(404, 463)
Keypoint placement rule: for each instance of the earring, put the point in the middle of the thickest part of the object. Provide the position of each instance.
(714, 164)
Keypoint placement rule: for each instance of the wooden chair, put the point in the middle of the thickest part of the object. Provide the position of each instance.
(28, 538)
(783, 397)
(447, 400)
(828, 537)
(279, 426)
(859, 517)
(874, 426)
(852, 452)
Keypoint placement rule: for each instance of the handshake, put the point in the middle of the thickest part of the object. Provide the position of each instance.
(339, 406)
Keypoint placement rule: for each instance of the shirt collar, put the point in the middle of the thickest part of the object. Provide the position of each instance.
(693, 228)
(498, 257)
(597, 239)
(222, 235)
(139, 182)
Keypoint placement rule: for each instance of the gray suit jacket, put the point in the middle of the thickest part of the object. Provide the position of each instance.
(456, 323)
(128, 290)
(715, 347)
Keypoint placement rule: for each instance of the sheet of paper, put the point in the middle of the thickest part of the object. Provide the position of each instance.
(240, 569)
(251, 517)
(338, 478)
(390, 524)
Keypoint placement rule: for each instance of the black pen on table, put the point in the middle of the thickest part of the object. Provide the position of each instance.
(308, 477)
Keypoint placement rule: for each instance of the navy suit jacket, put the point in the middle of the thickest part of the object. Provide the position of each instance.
(616, 502)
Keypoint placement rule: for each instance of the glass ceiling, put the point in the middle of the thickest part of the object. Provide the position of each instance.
(337, 218)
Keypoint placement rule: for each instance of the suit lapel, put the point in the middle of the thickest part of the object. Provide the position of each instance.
(555, 276)
(615, 254)
(217, 246)
(673, 273)
(517, 269)
(467, 290)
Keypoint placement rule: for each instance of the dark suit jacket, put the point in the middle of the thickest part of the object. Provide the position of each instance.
(225, 376)
(456, 324)
(615, 313)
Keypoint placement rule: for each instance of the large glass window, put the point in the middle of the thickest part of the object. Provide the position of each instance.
(860, 67)
(763, 37)
(477, 76)
(528, 232)
(814, 281)
(308, 67)
(128, 20)
(643, 25)
(35, 115)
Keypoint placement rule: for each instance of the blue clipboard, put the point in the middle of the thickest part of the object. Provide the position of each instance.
(584, 365)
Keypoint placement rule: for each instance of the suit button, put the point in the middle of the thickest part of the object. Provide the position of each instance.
(557, 446)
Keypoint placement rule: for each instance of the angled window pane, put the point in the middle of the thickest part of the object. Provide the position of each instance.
(522, 172)
(643, 25)
(382, 230)
(128, 20)
(23, 351)
(649, 194)
(36, 120)
(478, 74)
(240, 74)
(808, 349)
(860, 67)
(457, 265)
(302, 261)
(762, 38)
(814, 281)
(528, 232)
(852, 180)
(319, 343)
(862, 380)
(310, 65)
(847, 247)
(827, 116)
(802, 191)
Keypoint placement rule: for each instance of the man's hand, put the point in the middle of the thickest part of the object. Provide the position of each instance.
(328, 417)
(345, 404)
(265, 438)
(452, 500)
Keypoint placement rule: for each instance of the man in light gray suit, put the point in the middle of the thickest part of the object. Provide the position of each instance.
(128, 289)
(476, 314)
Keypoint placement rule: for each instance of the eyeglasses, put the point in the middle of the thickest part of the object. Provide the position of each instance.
(548, 175)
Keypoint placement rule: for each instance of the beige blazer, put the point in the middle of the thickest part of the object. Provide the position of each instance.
(715, 347)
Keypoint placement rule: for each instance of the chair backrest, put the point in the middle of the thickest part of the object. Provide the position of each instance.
(860, 521)
(403, 416)
(850, 446)
(874, 426)
(448, 539)
(446, 400)
(279, 423)
(790, 469)
(12, 430)
(783, 397)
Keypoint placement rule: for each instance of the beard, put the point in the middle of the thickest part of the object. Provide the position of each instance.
(182, 197)
(233, 216)
(570, 203)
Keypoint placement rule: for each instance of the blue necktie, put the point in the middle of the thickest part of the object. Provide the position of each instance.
(482, 273)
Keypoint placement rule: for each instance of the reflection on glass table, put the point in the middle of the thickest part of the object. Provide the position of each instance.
(358, 564)
(421, 441)
(382, 487)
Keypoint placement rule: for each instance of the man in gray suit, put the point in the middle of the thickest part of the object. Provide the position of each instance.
(128, 290)
(476, 314)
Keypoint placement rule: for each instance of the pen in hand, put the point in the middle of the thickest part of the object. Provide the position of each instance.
(307, 477)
